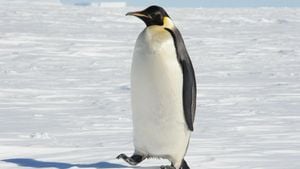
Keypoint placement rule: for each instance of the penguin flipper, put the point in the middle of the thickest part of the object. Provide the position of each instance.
(189, 80)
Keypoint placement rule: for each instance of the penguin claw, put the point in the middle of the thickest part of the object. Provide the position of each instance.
(167, 167)
(127, 159)
(122, 156)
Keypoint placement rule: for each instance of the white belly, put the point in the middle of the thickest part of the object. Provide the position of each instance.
(156, 85)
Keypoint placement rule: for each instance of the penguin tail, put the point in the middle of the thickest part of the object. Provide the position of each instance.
(184, 165)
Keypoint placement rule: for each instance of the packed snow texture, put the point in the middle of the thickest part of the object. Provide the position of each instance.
(65, 88)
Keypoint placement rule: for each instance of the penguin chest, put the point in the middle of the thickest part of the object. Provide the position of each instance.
(156, 90)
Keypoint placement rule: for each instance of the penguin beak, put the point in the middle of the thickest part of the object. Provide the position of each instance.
(138, 14)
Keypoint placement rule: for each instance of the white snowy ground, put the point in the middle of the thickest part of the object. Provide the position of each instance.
(64, 86)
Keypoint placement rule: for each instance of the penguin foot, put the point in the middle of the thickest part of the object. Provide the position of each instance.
(175, 165)
(167, 167)
(133, 160)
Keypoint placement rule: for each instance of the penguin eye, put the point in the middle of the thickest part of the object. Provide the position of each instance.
(158, 18)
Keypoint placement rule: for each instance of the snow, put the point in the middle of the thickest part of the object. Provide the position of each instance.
(64, 86)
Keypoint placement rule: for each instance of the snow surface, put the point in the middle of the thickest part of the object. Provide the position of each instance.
(64, 86)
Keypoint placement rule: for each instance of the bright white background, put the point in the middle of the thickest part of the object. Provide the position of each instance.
(64, 86)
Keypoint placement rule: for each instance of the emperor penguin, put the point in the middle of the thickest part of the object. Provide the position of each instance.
(163, 92)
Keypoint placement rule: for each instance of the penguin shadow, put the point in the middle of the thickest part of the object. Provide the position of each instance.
(27, 162)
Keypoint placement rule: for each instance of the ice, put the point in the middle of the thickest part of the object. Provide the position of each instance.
(65, 89)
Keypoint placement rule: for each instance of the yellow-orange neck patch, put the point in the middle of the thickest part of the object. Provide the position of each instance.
(168, 23)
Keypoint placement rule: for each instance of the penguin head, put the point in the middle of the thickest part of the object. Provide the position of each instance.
(154, 15)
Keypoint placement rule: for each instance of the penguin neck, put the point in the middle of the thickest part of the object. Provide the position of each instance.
(168, 23)
(160, 30)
